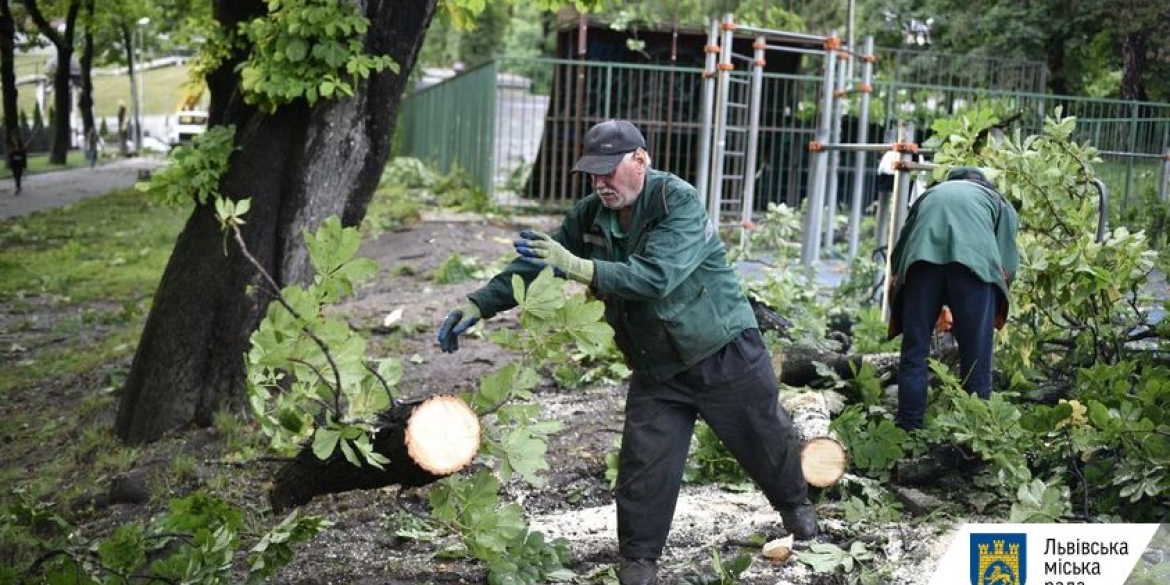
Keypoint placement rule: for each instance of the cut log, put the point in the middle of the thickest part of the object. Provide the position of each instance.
(797, 365)
(425, 440)
(822, 456)
(916, 502)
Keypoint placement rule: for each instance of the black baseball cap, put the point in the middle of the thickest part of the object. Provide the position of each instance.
(605, 145)
(973, 174)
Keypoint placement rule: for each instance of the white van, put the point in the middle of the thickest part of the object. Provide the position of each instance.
(190, 123)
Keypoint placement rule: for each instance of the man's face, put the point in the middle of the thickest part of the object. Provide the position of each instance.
(621, 187)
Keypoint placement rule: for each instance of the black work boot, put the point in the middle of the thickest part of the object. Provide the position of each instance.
(637, 571)
(800, 520)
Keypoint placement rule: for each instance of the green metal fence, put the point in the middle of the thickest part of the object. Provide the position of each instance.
(451, 125)
(515, 125)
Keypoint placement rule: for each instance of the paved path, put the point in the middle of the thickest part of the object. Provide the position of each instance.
(51, 189)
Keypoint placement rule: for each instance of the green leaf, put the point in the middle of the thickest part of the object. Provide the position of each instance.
(125, 550)
(325, 442)
(296, 50)
(544, 296)
(524, 451)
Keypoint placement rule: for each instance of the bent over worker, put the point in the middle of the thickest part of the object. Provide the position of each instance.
(957, 248)
(643, 244)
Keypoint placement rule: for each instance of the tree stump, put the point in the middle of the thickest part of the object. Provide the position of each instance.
(822, 456)
(425, 440)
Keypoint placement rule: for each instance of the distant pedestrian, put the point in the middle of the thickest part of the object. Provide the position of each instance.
(91, 147)
(123, 129)
(17, 161)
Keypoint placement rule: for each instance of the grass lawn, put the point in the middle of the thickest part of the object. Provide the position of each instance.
(96, 261)
(163, 88)
(109, 247)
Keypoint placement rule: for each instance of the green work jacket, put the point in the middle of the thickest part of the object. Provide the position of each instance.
(670, 294)
(958, 221)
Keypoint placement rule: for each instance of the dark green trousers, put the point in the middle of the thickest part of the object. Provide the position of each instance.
(735, 391)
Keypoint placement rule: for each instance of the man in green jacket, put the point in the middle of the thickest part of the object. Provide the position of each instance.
(643, 244)
(958, 249)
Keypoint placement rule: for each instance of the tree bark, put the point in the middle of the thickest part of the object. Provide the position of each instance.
(8, 76)
(413, 436)
(1133, 62)
(797, 366)
(85, 100)
(62, 92)
(298, 165)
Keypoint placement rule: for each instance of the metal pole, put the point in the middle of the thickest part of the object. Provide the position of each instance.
(851, 33)
(1133, 122)
(885, 198)
(715, 200)
(810, 250)
(902, 182)
(835, 155)
(702, 182)
(1164, 181)
(865, 89)
(1102, 209)
(866, 147)
(753, 137)
(138, 96)
(142, 23)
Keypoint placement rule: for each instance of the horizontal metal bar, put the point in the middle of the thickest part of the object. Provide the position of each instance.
(916, 166)
(782, 48)
(1131, 154)
(858, 147)
(782, 35)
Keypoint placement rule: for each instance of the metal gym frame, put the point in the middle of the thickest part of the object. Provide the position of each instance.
(729, 122)
(730, 128)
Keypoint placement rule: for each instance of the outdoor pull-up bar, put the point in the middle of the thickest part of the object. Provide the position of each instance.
(782, 35)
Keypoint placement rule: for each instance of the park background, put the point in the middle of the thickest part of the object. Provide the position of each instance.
(80, 283)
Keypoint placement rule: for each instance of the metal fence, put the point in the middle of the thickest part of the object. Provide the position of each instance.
(515, 125)
(958, 70)
(452, 125)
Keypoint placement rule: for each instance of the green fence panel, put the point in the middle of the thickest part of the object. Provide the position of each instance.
(451, 125)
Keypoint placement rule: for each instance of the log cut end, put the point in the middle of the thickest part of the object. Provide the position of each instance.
(823, 461)
(443, 435)
(822, 456)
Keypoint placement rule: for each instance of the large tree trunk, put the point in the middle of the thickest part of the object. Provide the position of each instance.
(8, 75)
(85, 100)
(299, 166)
(1133, 62)
(62, 94)
(1054, 49)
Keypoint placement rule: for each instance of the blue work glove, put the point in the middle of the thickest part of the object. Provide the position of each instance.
(455, 324)
(541, 250)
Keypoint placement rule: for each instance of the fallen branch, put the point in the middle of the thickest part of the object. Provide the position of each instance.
(424, 441)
